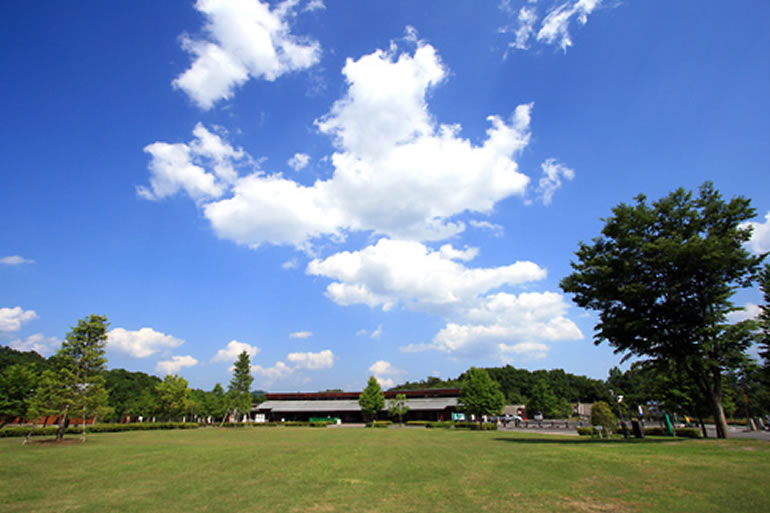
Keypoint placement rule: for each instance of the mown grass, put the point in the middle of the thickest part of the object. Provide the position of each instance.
(380, 470)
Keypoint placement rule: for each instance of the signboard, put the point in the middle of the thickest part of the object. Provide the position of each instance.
(458, 417)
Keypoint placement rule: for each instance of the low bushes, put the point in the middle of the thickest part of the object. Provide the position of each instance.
(95, 428)
(688, 432)
(379, 424)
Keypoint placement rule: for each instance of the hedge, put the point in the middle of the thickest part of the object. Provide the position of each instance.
(95, 428)
(688, 432)
(379, 424)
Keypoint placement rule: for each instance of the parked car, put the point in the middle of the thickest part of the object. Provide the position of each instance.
(538, 416)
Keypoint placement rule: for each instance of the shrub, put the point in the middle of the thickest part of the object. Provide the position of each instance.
(379, 423)
(688, 432)
(417, 422)
(655, 431)
(438, 424)
(96, 428)
(475, 426)
(586, 431)
(601, 415)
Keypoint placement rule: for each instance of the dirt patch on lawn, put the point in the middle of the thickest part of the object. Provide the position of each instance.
(591, 505)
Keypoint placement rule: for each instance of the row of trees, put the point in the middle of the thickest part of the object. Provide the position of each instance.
(74, 383)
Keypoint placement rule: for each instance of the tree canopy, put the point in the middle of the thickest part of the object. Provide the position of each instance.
(371, 400)
(480, 395)
(661, 276)
(240, 384)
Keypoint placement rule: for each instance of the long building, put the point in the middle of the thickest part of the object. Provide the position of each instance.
(437, 404)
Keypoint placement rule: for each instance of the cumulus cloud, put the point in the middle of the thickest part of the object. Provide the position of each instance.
(392, 273)
(554, 26)
(244, 39)
(553, 173)
(203, 169)
(15, 260)
(277, 371)
(760, 236)
(299, 161)
(38, 342)
(381, 369)
(233, 350)
(301, 334)
(396, 272)
(750, 311)
(397, 171)
(141, 343)
(314, 5)
(11, 319)
(312, 361)
(175, 364)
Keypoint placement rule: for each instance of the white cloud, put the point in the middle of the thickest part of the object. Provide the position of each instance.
(141, 343)
(175, 364)
(496, 229)
(554, 27)
(361, 332)
(553, 172)
(409, 274)
(299, 161)
(760, 236)
(380, 369)
(15, 260)
(245, 39)
(376, 334)
(233, 350)
(301, 334)
(38, 342)
(277, 371)
(405, 272)
(314, 5)
(750, 311)
(204, 168)
(532, 350)
(312, 361)
(11, 319)
(396, 171)
(290, 264)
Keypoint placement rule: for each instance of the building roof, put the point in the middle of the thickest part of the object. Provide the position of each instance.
(341, 405)
(326, 396)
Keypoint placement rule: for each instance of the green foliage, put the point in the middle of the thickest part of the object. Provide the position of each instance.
(586, 431)
(379, 424)
(131, 393)
(9, 432)
(371, 400)
(602, 415)
(480, 395)
(661, 277)
(10, 356)
(398, 407)
(173, 396)
(545, 401)
(476, 426)
(687, 432)
(17, 387)
(240, 384)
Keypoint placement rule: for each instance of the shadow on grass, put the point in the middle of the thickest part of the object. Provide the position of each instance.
(584, 440)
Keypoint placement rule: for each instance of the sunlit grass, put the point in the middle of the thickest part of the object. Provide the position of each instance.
(380, 470)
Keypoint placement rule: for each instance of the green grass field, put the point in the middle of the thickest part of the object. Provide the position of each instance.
(380, 470)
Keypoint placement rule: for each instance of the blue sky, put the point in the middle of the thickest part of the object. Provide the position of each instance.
(357, 188)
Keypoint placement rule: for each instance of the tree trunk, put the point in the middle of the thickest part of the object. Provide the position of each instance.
(83, 436)
(702, 426)
(63, 424)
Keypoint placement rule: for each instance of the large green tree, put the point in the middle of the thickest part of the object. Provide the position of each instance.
(75, 384)
(661, 276)
(240, 386)
(17, 387)
(480, 395)
(173, 396)
(371, 400)
(398, 407)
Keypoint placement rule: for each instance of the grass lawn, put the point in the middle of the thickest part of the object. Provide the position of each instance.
(380, 470)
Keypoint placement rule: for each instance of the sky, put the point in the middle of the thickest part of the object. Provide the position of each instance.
(349, 188)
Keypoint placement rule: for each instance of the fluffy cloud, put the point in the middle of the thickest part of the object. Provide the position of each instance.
(750, 311)
(381, 369)
(396, 171)
(299, 161)
(760, 237)
(312, 361)
(232, 350)
(553, 172)
(11, 319)
(408, 273)
(277, 371)
(554, 27)
(203, 169)
(175, 364)
(301, 334)
(405, 272)
(141, 343)
(496, 229)
(245, 39)
(15, 260)
(39, 343)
